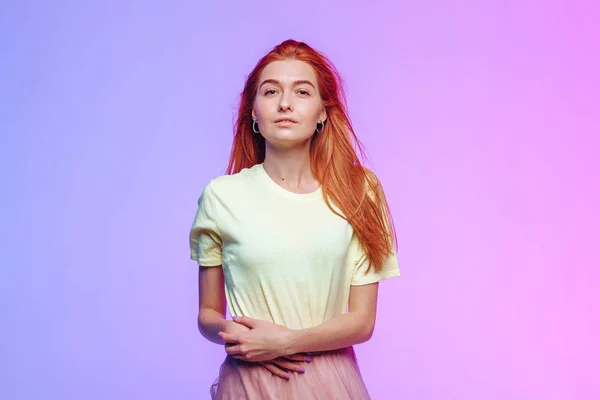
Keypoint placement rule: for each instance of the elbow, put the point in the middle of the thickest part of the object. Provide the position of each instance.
(367, 329)
(368, 334)
(200, 324)
(204, 324)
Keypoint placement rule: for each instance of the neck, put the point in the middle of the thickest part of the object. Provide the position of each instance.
(290, 168)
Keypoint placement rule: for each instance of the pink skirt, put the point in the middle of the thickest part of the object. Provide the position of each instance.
(331, 375)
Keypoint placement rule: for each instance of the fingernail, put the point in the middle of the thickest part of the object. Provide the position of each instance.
(309, 359)
(302, 370)
(235, 317)
(309, 353)
(287, 377)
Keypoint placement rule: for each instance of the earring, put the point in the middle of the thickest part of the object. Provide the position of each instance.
(257, 129)
(322, 126)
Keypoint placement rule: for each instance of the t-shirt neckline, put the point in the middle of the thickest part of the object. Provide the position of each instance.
(275, 186)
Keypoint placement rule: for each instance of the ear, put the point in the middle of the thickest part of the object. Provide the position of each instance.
(323, 115)
(253, 115)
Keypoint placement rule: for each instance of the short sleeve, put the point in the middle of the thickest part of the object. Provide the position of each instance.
(205, 239)
(362, 274)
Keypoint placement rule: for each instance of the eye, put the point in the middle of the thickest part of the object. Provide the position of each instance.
(304, 92)
(269, 91)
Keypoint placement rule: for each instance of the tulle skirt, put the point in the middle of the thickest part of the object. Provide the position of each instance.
(331, 375)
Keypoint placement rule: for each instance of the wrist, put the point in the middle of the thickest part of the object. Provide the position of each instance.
(289, 342)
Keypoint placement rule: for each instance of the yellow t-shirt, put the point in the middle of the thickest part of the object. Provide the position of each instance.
(286, 257)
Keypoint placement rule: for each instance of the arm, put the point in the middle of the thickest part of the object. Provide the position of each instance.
(266, 340)
(345, 330)
(211, 319)
(211, 315)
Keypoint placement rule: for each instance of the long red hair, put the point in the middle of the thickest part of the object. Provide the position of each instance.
(354, 189)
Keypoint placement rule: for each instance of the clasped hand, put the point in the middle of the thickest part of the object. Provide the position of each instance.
(264, 342)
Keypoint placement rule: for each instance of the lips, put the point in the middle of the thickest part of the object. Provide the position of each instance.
(288, 120)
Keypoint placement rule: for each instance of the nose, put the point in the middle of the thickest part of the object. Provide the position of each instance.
(284, 102)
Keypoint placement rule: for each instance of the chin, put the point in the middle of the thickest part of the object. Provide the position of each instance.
(286, 136)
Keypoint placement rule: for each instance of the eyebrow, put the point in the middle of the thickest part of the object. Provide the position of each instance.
(295, 83)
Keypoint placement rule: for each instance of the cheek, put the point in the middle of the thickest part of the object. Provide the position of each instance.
(262, 106)
(310, 111)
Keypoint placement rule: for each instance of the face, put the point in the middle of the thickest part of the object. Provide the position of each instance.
(288, 103)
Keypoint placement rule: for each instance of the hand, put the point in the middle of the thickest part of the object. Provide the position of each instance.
(234, 328)
(280, 366)
(264, 341)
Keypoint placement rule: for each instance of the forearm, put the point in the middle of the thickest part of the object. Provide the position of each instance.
(338, 332)
(210, 323)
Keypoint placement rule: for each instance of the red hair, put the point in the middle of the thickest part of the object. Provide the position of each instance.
(354, 189)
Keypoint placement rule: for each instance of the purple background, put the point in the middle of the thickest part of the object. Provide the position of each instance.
(480, 117)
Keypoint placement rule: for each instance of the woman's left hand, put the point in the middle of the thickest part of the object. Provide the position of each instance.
(264, 341)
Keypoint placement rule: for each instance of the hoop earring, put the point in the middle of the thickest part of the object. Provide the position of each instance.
(322, 127)
(257, 129)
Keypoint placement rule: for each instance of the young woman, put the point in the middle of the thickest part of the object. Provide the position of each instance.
(294, 239)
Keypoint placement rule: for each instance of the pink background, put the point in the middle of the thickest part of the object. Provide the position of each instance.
(481, 118)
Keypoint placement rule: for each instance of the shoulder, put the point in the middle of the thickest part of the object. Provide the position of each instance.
(370, 176)
(224, 186)
(372, 184)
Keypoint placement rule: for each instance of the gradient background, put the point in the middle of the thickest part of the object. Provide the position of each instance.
(480, 117)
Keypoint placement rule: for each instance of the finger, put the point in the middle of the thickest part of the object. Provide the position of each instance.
(276, 370)
(233, 350)
(228, 337)
(246, 321)
(299, 357)
(289, 365)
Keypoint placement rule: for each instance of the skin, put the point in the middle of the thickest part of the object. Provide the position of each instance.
(212, 321)
(287, 89)
(287, 147)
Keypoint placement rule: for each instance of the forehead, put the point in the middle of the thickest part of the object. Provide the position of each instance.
(287, 71)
